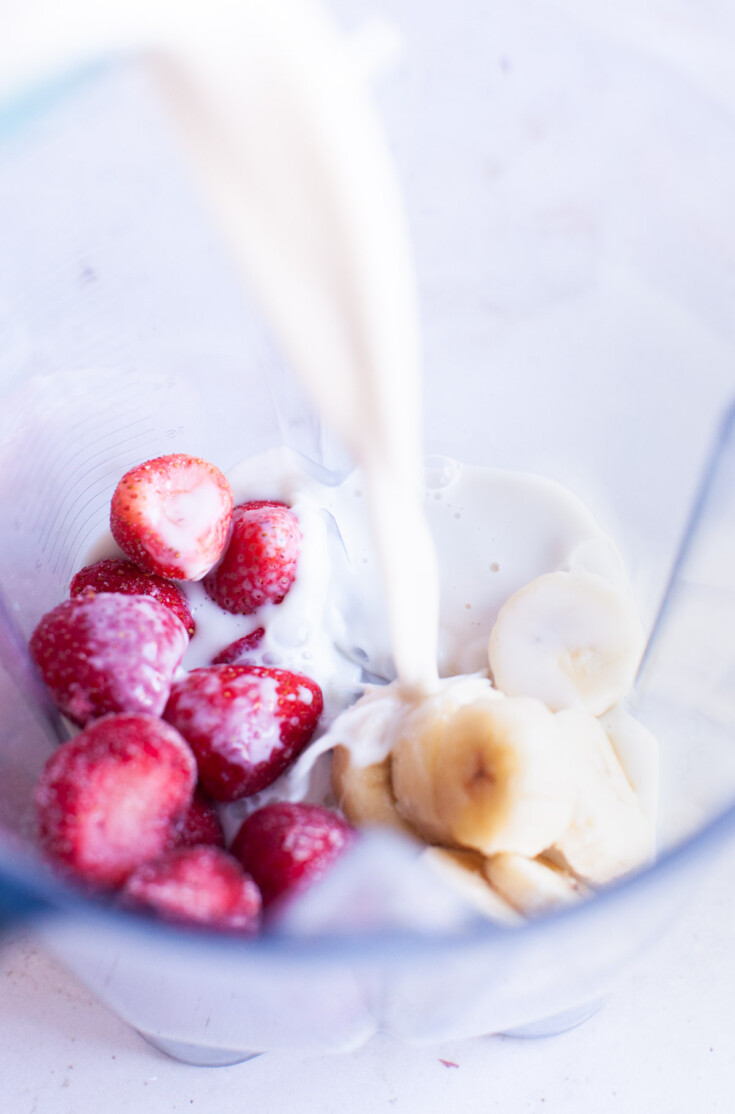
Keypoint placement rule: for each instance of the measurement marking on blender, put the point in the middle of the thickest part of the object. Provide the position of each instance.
(67, 506)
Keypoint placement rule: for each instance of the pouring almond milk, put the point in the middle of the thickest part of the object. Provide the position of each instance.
(493, 730)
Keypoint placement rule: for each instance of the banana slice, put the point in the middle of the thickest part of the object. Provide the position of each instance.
(463, 871)
(494, 775)
(637, 752)
(365, 793)
(571, 639)
(610, 833)
(533, 886)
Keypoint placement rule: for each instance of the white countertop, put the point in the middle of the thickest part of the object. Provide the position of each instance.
(663, 1044)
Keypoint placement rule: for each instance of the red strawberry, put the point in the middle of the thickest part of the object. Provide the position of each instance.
(171, 516)
(109, 653)
(198, 885)
(200, 825)
(236, 653)
(245, 724)
(110, 798)
(114, 575)
(259, 565)
(286, 847)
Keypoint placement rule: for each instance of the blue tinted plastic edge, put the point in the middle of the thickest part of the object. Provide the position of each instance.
(18, 903)
(20, 109)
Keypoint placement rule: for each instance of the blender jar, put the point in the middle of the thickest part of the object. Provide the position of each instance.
(570, 208)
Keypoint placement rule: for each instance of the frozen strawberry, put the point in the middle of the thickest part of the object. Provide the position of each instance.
(109, 653)
(197, 885)
(110, 798)
(171, 516)
(286, 847)
(199, 825)
(114, 575)
(259, 565)
(237, 652)
(245, 723)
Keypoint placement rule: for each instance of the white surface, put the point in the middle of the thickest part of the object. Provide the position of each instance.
(662, 1045)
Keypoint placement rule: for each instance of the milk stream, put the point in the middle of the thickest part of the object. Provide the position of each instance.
(303, 187)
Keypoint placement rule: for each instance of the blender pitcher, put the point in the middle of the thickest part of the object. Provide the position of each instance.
(573, 283)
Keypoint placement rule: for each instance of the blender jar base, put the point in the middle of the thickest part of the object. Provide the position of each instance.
(202, 1056)
(198, 1055)
(558, 1023)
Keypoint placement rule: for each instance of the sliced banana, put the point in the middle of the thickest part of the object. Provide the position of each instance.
(365, 793)
(494, 775)
(571, 639)
(463, 871)
(637, 751)
(532, 886)
(610, 833)
(422, 717)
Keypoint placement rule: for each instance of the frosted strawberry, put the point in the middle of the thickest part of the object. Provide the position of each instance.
(245, 723)
(171, 516)
(109, 653)
(259, 564)
(197, 885)
(238, 652)
(199, 825)
(115, 575)
(110, 798)
(286, 847)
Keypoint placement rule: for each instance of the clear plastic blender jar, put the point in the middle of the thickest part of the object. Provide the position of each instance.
(570, 206)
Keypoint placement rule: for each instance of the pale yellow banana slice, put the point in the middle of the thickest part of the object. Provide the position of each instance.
(463, 871)
(365, 793)
(637, 751)
(610, 833)
(571, 639)
(494, 775)
(532, 886)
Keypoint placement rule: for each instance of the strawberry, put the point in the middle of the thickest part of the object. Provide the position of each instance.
(259, 564)
(245, 724)
(109, 653)
(110, 798)
(237, 652)
(286, 847)
(114, 575)
(200, 824)
(197, 885)
(171, 516)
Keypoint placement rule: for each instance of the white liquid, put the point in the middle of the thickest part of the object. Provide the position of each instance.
(494, 530)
